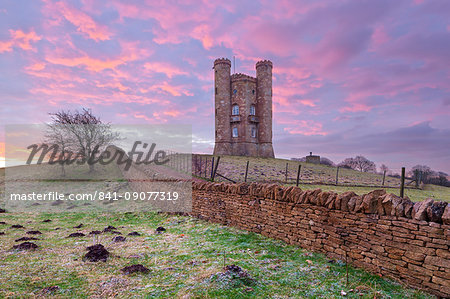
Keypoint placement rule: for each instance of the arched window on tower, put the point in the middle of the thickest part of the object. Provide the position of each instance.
(253, 132)
(235, 110)
(235, 132)
(252, 110)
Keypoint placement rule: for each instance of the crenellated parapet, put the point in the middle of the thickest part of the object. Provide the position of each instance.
(242, 77)
(222, 61)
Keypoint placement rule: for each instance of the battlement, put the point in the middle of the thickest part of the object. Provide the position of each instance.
(242, 77)
(222, 61)
(264, 62)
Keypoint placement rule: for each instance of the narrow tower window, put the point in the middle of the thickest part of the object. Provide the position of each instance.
(235, 110)
(235, 132)
(252, 110)
(253, 132)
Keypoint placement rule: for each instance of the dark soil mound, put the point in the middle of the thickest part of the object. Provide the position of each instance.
(115, 232)
(47, 220)
(26, 239)
(73, 235)
(135, 269)
(2, 233)
(2, 222)
(34, 232)
(25, 246)
(17, 226)
(134, 234)
(2, 210)
(119, 239)
(96, 253)
(160, 230)
(78, 226)
(109, 228)
(95, 232)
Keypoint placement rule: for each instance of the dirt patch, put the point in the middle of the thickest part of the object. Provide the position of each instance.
(160, 230)
(2, 210)
(233, 276)
(134, 234)
(2, 233)
(17, 226)
(26, 239)
(96, 253)
(135, 269)
(109, 228)
(95, 232)
(79, 225)
(119, 239)
(25, 246)
(46, 221)
(115, 232)
(2, 222)
(34, 232)
(74, 235)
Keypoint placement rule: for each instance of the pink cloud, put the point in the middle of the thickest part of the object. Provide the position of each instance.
(162, 67)
(84, 23)
(305, 127)
(20, 40)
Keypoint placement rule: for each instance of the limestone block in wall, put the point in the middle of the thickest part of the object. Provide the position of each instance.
(370, 201)
(352, 203)
(446, 215)
(313, 197)
(330, 204)
(341, 202)
(409, 205)
(435, 211)
(419, 211)
(321, 198)
(391, 204)
(242, 188)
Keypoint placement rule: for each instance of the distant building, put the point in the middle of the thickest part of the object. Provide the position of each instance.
(243, 110)
(312, 158)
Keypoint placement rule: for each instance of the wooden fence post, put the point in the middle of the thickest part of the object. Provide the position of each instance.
(206, 166)
(337, 175)
(384, 175)
(298, 173)
(246, 172)
(402, 184)
(212, 167)
(287, 169)
(215, 168)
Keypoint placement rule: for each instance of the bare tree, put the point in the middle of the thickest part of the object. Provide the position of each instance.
(384, 168)
(83, 133)
(364, 165)
(360, 163)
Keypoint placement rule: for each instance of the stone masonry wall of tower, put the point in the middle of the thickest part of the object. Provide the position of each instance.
(243, 110)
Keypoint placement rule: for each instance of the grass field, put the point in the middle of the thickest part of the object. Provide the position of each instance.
(186, 261)
(314, 176)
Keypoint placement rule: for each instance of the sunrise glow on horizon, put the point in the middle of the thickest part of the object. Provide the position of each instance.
(349, 77)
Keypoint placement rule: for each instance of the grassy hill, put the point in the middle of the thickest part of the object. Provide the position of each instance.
(312, 176)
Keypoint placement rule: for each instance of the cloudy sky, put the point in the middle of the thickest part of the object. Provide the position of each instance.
(350, 77)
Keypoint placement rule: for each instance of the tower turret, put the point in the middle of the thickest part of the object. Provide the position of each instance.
(222, 100)
(264, 107)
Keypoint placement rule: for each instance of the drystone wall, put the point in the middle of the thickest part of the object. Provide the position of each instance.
(380, 232)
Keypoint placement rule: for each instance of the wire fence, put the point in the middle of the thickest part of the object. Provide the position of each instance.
(244, 169)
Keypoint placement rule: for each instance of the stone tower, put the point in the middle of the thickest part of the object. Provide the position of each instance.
(243, 110)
